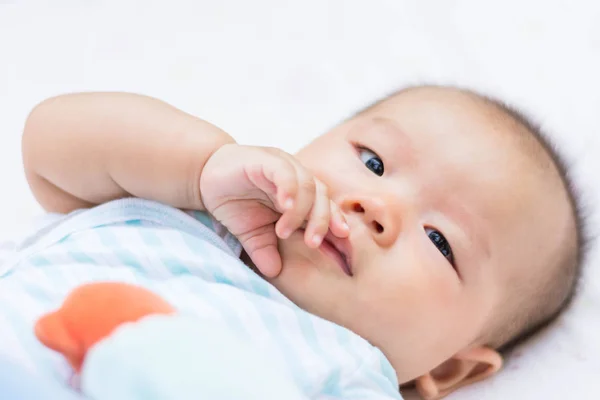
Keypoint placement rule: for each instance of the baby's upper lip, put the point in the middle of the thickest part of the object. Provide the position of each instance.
(344, 247)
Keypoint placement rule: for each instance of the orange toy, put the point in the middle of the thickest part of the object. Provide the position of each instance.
(91, 313)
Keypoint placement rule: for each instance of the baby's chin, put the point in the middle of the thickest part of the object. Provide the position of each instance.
(312, 281)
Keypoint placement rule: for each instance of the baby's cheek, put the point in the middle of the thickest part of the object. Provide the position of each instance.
(437, 277)
(444, 312)
(417, 290)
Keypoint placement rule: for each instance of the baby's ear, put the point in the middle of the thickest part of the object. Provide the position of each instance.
(463, 369)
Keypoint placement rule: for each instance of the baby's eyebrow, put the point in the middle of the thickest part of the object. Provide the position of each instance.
(470, 225)
(393, 130)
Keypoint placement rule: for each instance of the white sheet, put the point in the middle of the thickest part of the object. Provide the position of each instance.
(280, 72)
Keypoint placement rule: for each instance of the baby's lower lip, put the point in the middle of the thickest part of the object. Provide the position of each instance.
(332, 252)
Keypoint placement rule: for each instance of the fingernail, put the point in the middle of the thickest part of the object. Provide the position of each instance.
(345, 226)
(289, 203)
(317, 239)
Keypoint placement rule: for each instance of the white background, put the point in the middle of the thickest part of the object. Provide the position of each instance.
(280, 72)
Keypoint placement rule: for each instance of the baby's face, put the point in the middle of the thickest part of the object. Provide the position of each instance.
(445, 216)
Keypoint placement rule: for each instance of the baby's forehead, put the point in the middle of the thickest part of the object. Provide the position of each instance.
(463, 117)
(448, 120)
(429, 96)
(441, 113)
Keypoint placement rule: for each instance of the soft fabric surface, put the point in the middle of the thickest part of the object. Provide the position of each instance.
(280, 72)
(201, 364)
(16, 384)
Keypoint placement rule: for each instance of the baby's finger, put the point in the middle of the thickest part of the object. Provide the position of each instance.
(318, 223)
(261, 246)
(338, 225)
(286, 180)
(293, 218)
(277, 178)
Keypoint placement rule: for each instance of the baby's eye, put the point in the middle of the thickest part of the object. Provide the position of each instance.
(371, 160)
(438, 239)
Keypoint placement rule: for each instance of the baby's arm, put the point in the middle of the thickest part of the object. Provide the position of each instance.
(89, 148)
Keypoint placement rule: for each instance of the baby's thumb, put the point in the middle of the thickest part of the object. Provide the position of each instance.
(267, 260)
(261, 246)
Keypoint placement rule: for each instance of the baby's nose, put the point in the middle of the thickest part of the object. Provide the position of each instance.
(377, 214)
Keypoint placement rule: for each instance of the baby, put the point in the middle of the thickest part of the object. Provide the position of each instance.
(413, 244)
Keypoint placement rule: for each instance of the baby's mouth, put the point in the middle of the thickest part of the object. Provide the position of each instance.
(339, 250)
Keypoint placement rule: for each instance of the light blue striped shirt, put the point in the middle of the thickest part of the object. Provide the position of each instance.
(193, 262)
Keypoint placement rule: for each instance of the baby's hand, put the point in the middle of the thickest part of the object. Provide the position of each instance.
(262, 193)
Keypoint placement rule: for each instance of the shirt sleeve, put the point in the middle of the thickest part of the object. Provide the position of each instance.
(371, 380)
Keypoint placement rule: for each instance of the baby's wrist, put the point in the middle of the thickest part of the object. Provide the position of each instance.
(197, 188)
